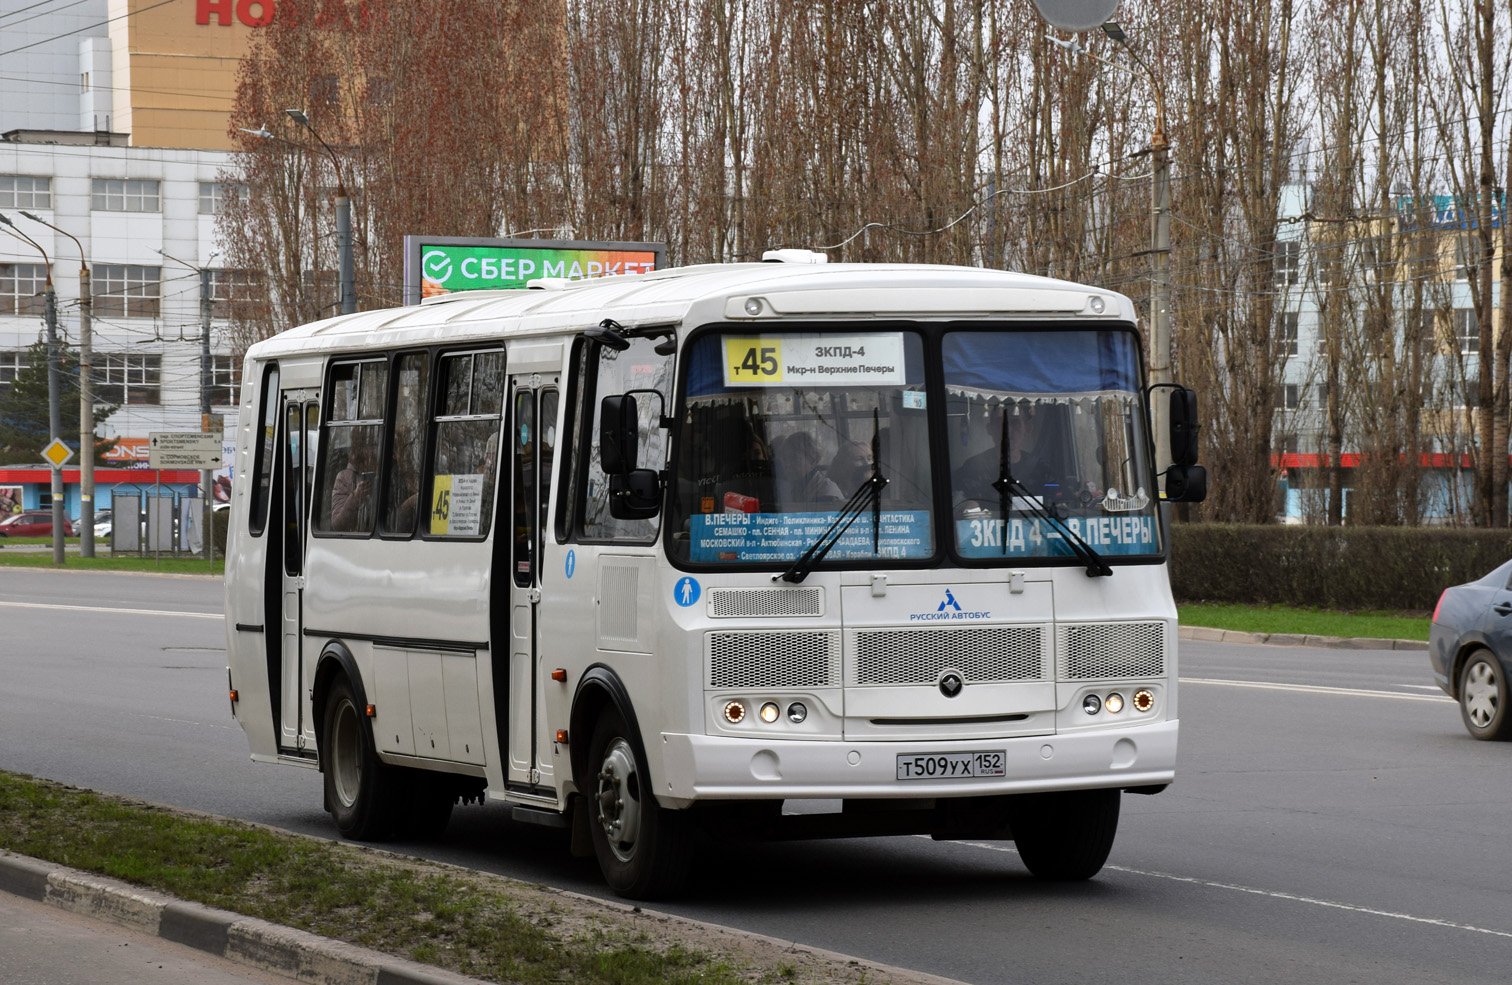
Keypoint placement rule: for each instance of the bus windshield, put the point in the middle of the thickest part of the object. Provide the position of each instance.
(778, 432)
(1044, 436)
(1047, 423)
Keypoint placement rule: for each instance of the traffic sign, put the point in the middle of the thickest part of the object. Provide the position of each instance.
(57, 453)
(183, 450)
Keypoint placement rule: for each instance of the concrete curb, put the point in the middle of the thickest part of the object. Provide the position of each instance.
(1294, 639)
(306, 957)
(247, 941)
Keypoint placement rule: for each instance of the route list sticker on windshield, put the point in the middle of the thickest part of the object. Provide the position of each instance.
(815, 360)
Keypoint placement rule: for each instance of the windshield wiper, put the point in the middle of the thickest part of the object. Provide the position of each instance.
(867, 494)
(1007, 486)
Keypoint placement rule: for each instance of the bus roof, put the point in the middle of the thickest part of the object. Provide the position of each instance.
(712, 292)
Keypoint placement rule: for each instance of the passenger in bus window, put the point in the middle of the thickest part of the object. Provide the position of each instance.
(352, 491)
(802, 478)
(404, 487)
(1026, 459)
(851, 466)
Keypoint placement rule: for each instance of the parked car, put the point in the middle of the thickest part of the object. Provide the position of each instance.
(32, 523)
(1470, 645)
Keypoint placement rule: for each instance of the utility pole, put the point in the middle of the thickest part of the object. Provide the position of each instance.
(86, 397)
(207, 476)
(1160, 294)
(54, 407)
(347, 287)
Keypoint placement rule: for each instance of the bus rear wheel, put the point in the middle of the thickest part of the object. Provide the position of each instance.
(1065, 836)
(643, 849)
(360, 791)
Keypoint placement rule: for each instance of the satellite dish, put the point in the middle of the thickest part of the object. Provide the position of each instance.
(1076, 15)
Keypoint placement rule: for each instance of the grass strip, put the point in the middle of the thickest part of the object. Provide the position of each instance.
(472, 923)
(167, 564)
(1306, 622)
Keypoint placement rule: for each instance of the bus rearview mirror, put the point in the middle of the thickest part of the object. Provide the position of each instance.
(1183, 426)
(619, 426)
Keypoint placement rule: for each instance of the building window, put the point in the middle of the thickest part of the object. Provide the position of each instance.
(1330, 261)
(125, 195)
(1289, 322)
(12, 362)
(234, 293)
(1288, 255)
(23, 288)
(126, 289)
(214, 195)
(1375, 256)
(1466, 331)
(25, 191)
(1467, 251)
(1289, 396)
(225, 381)
(127, 378)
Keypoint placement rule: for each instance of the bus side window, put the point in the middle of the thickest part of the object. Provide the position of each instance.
(265, 454)
(401, 481)
(572, 441)
(636, 368)
(465, 465)
(347, 487)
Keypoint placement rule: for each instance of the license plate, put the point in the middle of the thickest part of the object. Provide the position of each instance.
(949, 765)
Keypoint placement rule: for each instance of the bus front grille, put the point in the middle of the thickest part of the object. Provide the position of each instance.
(725, 602)
(1094, 651)
(982, 655)
(775, 659)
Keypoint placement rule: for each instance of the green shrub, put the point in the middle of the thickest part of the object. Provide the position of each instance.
(1345, 568)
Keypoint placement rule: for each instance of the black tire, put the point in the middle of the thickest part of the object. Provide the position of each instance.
(643, 849)
(1483, 697)
(1065, 836)
(361, 792)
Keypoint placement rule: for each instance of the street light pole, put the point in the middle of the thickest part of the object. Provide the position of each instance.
(54, 407)
(1160, 241)
(86, 397)
(347, 286)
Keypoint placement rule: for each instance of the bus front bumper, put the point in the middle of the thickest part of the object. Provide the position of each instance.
(709, 767)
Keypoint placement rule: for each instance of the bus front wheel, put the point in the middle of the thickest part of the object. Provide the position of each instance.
(359, 788)
(643, 849)
(1065, 836)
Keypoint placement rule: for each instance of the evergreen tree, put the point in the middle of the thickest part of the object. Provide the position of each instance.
(23, 410)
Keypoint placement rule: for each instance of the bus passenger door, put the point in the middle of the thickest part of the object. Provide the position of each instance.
(300, 426)
(533, 438)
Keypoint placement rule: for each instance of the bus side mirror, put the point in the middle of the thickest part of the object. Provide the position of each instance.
(619, 433)
(1184, 428)
(1186, 484)
(635, 495)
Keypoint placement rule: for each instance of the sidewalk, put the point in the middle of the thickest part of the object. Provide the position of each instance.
(46, 943)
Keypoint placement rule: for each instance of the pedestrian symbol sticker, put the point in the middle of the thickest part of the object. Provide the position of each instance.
(686, 592)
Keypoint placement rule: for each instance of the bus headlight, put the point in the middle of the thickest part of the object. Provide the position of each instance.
(1091, 704)
(1144, 699)
(797, 712)
(734, 712)
(1114, 703)
(769, 712)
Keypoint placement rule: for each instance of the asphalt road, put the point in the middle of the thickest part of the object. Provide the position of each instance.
(1331, 821)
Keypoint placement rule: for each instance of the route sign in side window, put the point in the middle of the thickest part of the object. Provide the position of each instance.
(464, 468)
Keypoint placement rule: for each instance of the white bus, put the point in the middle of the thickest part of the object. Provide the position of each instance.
(880, 543)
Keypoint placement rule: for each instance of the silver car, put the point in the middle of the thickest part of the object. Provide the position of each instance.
(1470, 645)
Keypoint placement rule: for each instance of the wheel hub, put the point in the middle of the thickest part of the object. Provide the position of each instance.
(618, 799)
(1480, 694)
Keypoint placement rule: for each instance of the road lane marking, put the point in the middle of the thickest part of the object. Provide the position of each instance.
(106, 608)
(1275, 894)
(185, 721)
(1317, 689)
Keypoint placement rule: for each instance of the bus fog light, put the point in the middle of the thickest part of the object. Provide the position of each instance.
(1091, 704)
(1114, 703)
(734, 712)
(797, 712)
(769, 712)
(1144, 699)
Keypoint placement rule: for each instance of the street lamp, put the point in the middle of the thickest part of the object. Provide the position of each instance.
(86, 396)
(54, 409)
(1160, 235)
(348, 289)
